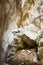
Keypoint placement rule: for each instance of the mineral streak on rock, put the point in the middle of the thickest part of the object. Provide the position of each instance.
(21, 27)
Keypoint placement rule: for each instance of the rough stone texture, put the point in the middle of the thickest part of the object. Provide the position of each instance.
(17, 18)
(40, 53)
(27, 57)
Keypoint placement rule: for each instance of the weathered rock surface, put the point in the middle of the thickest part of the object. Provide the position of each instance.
(26, 17)
(27, 57)
(40, 53)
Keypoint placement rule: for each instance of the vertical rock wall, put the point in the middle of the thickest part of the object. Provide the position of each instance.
(23, 14)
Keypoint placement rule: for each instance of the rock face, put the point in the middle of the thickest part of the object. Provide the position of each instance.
(27, 57)
(23, 29)
(40, 53)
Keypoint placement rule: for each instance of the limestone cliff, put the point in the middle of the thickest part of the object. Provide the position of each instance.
(21, 23)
